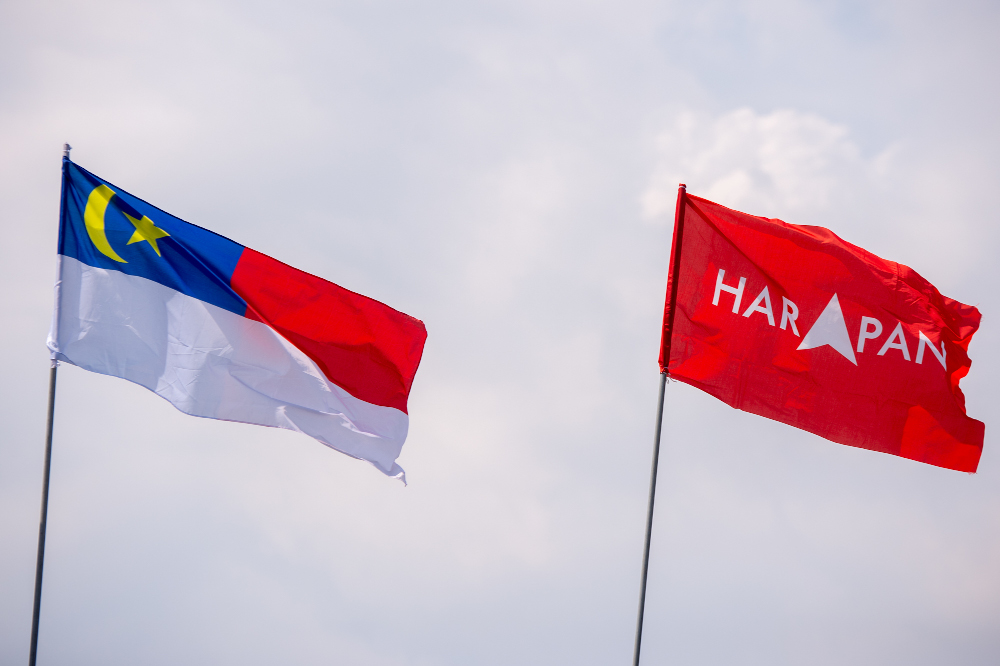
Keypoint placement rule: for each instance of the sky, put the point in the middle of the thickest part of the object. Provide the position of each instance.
(505, 172)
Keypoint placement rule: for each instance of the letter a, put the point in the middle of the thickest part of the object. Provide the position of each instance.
(757, 307)
(897, 334)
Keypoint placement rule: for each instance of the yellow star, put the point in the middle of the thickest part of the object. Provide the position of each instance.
(145, 230)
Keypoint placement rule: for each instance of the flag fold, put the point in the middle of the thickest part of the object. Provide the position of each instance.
(797, 325)
(224, 332)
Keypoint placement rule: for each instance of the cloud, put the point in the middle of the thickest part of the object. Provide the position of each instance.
(783, 162)
(507, 173)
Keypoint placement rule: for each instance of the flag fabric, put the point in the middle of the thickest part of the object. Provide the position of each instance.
(795, 324)
(224, 332)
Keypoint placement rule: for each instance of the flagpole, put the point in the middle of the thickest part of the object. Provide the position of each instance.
(668, 322)
(649, 518)
(40, 561)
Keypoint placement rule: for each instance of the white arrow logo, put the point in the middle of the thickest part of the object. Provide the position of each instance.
(830, 329)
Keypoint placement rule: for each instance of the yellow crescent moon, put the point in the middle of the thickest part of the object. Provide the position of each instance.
(93, 219)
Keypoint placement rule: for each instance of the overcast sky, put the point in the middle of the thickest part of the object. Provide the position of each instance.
(504, 171)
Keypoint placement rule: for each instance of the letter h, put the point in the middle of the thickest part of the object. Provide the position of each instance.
(736, 291)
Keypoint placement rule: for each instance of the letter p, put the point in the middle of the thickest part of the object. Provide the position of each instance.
(868, 333)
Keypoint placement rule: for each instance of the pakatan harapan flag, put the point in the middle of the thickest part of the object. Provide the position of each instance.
(225, 332)
(795, 324)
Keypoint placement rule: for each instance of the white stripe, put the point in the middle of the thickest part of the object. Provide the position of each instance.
(211, 362)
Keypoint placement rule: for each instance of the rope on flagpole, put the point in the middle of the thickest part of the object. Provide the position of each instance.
(40, 562)
(672, 280)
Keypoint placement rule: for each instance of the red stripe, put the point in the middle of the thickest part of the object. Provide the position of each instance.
(363, 346)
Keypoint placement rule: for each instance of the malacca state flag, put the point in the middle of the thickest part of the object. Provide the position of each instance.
(795, 324)
(224, 332)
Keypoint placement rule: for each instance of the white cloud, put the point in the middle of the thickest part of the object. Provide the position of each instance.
(486, 167)
(784, 162)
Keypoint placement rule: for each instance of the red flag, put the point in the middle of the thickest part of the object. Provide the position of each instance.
(795, 324)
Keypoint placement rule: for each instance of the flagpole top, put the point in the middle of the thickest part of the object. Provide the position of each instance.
(66, 149)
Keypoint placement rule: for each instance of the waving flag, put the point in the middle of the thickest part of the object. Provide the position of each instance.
(793, 323)
(224, 332)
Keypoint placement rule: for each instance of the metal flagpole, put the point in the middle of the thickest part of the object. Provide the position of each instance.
(649, 518)
(40, 562)
(675, 260)
(45, 510)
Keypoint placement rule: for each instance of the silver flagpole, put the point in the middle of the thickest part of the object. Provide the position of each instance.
(668, 324)
(40, 562)
(649, 519)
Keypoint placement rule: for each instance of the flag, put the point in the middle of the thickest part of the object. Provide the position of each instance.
(224, 332)
(795, 324)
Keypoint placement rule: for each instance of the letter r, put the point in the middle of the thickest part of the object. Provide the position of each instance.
(736, 291)
(789, 313)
